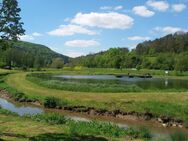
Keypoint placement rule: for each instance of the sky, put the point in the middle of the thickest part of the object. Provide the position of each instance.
(80, 27)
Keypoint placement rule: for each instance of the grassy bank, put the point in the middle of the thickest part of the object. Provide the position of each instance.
(173, 104)
(56, 127)
(101, 85)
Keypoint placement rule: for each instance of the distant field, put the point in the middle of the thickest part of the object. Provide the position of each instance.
(160, 103)
(82, 70)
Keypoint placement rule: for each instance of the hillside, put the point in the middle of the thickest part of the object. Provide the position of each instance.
(29, 55)
(172, 43)
(39, 50)
(167, 53)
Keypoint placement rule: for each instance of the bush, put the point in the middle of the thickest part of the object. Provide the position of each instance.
(139, 132)
(20, 96)
(179, 136)
(52, 118)
(51, 102)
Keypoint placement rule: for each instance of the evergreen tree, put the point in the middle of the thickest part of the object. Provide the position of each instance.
(10, 21)
(10, 24)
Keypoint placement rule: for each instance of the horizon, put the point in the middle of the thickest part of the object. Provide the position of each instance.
(80, 28)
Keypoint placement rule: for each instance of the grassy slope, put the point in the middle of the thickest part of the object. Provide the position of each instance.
(24, 129)
(174, 104)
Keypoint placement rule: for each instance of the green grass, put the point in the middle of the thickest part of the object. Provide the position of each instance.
(53, 126)
(94, 85)
(159, 103)
(179, 136)
(82, 85)
(83, 70)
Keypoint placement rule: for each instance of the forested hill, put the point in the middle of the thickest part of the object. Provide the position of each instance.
(39, 50)
(167, 53)
(172, 43)
(30, 55)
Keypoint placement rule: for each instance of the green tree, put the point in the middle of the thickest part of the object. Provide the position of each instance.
(10, 25)
(10, 21)
(57, 63)
(181, 63)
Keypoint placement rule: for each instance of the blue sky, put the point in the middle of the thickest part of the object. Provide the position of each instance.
(79, 27)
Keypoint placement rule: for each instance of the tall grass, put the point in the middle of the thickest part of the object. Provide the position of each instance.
(82, 85)
(178, 136)
(92, 127)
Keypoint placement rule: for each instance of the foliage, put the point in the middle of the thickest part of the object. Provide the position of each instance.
(57, 63)
(92, 127)
(167, 53)
(51, 102)
(10, 25)
(28, 55)
(178, 136)
(181, 62)
(52, 118)
(83, 85)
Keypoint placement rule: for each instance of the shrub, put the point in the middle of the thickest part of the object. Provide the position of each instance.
(51, 102)
(179, 136)
(20, 97)
(52, 118)
(139, 132)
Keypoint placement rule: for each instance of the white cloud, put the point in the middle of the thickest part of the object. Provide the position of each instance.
(82, 43)
(74, 54)
(168, 29)
(142, 11)
(68, 30)
(111, 20)
(106, 8)
(26, 38)
(37, 34)
(138, 38)
(178, 7)
(158, 5)
(116, 8)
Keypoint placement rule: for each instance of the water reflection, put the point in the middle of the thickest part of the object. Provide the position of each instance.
(145, 83)
(22, 110)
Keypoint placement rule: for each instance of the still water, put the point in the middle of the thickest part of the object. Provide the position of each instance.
(20, 110)
(145, 83)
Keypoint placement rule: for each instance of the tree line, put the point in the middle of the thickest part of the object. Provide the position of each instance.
(167, 53)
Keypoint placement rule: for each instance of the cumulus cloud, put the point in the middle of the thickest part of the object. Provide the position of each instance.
(116, 8)
(178, 7)
(138, 38)
(168, 29)
(111, 20)
(82, 43)
(142, 11)
(68, 30)
(158, 5)
(26, 38)
(37, 34)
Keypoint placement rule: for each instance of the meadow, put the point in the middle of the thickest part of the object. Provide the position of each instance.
(158, 103)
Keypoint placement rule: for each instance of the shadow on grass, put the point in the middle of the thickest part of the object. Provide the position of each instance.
(14, 135)
(65, 137)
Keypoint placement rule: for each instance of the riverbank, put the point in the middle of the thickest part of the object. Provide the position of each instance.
(136, 130)
(75, 130)
(157, 104)
(139, 105)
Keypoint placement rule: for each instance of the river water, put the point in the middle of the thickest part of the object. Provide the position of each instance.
(157, 131)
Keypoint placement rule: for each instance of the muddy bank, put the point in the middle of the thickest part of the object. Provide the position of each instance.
(19, 97)
(165, 121)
